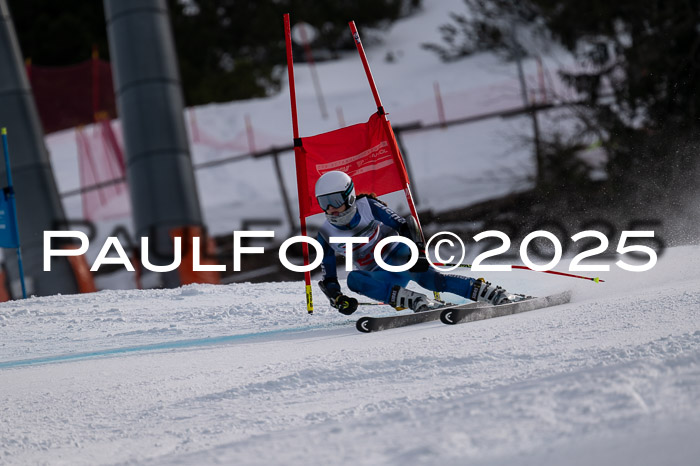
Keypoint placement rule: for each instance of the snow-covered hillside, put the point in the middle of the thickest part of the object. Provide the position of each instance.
(450, 167)
(240, 374)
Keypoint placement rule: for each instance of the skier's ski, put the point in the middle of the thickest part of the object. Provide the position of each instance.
(460, 313)
(375, 324)
(453, 316)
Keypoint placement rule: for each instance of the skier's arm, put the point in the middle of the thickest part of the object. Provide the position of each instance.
(387, 216)
(329, 285)
(404, 226)
(407, 227)
(328, 265)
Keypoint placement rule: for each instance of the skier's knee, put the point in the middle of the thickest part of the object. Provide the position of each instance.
(355, 281)
(440, 282)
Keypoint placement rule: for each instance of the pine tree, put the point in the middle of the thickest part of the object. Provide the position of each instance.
(639, 65)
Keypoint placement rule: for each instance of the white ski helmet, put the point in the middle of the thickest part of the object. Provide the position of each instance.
(335, 189)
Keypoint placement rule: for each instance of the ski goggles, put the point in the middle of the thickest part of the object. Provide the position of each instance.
(336, 199)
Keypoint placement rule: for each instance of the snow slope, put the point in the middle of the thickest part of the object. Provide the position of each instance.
(241, 374)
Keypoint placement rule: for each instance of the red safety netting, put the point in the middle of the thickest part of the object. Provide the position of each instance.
(70, 96)
(101, 162)
(250, 140)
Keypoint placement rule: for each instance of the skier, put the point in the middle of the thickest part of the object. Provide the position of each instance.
(348, 215)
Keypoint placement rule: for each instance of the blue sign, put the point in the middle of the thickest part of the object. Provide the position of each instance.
(8, 229)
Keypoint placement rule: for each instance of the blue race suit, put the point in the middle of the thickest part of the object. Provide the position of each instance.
(376, 221)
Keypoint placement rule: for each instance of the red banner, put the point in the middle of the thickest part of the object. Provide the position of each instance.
(363, 151)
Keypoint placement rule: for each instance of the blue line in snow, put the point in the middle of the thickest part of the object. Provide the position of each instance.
(152, 347)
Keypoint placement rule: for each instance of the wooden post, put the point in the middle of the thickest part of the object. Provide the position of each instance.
(250, 134)
(283, 189)
(440, 107)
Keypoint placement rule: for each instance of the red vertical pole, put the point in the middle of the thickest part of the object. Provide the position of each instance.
(83, 167)
(365, 64)
(111, 142)
(387, 127)
(95, 82)
(302, 186)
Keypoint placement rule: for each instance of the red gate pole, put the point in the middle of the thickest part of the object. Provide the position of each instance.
(302, 186)
(387, 126)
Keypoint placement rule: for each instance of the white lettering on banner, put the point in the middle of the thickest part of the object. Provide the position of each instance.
(373, 156)
(370, 168)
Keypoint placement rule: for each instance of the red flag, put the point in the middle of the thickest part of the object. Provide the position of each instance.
(363, 151)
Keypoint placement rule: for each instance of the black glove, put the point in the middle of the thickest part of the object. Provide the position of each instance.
(345, 304)
(331, 288)
(411, 230)
(421, 266)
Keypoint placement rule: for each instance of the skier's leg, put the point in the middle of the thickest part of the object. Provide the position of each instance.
(436, 281)
(470, 288)
(390, 287)
(376, 285)
(431, 279)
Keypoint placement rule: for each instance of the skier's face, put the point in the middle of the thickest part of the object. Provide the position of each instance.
(336, 210)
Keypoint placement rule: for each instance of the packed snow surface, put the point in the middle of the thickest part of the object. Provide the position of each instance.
(241, 374)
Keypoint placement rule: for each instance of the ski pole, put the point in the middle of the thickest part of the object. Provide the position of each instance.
(522, 267)
(387, 304)
(564, 274)
(10, 193)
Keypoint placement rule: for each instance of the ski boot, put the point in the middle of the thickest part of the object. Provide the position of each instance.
(483, 291)
(401, 298)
